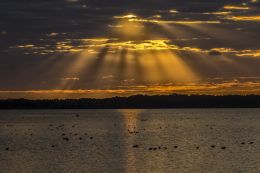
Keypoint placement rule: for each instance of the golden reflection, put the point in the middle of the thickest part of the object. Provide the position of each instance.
(132, 128)
(131, 120)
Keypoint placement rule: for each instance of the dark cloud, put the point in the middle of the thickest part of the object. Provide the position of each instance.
(49, 24)
(215, 53)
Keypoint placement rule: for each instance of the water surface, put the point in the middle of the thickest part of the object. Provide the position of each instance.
(165, 140)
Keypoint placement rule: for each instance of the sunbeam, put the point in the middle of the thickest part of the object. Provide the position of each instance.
(122, 65)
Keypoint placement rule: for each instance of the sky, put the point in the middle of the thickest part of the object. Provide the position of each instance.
(104, 48)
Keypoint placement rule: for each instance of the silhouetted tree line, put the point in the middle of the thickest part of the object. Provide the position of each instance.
(138, 101)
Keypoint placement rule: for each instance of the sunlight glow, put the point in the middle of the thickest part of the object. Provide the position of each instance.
(129, 29)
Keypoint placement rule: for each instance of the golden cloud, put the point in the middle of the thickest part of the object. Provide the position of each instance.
(71, 78)
(128, 16)
(233, 7)
(221, 88)
(249, 53)
(244, 18)
(175, 21)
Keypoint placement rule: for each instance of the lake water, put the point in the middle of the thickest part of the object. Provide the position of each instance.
(130, 141)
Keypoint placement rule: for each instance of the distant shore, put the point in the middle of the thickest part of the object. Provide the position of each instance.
(138, 101)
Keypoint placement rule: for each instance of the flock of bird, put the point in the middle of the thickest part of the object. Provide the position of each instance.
(67, 137)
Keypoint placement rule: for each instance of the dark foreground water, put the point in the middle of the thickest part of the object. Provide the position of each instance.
(126, 141)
